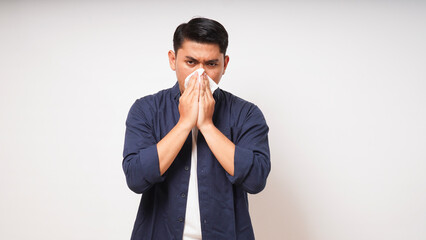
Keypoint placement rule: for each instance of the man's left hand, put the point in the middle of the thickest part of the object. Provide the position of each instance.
(206, 104)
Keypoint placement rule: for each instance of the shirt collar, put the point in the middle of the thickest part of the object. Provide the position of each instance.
(176, 91)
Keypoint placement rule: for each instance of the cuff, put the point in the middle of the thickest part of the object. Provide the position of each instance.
(150, 164)
(243, 161)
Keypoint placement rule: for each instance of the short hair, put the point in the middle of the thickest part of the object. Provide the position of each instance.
(201, 30)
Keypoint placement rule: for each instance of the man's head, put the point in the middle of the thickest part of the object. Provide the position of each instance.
(201, 30)
(200, 43)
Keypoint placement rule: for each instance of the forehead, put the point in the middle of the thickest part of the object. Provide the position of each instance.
(199, 50)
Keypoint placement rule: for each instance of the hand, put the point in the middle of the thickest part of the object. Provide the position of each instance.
(188, 103)
(206, 104)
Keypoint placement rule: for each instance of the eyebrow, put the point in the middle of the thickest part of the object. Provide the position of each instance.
(208, 61)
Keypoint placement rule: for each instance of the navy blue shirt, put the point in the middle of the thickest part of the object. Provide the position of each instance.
(224, 209)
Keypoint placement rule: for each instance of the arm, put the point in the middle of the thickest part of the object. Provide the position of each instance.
(247, 160)
(140, 158)
(252, 156)
(145, 161)
(170, 145)
(222, 148)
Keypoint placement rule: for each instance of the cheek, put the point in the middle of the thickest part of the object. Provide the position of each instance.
(215, 74)
(181, 74)
(183, 71)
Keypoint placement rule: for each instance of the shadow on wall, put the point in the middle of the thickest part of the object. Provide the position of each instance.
(275, 213)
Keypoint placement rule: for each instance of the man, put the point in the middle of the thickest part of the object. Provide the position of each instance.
(194, 154)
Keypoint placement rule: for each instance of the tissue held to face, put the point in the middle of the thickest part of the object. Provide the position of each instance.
(192, 56)
(200, 72)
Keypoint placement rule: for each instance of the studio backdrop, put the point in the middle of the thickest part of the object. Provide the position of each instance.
(342, 85)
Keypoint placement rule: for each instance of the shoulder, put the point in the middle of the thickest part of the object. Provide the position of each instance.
(236, 102)
(153, 100)
(149, 104)
(241, 109)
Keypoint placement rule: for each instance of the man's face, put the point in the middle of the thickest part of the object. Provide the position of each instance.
(192, 56)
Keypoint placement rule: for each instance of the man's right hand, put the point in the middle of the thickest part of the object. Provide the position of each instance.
(169, 147)
(188, 103)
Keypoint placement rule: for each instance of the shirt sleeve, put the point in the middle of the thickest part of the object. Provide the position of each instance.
(252, 158)
(140, 156)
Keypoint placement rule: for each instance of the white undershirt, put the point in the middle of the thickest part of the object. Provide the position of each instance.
(192, 228)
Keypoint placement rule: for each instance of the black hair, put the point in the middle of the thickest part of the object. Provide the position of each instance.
(201, 30)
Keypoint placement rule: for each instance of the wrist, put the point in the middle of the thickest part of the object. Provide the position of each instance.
(184, 125)
(206, 126)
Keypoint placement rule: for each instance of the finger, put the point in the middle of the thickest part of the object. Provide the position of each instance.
(191, 84)
(202, 88)
(197, 91)
(193, 80)
(194, 95)
(206, 80)
(206, 100)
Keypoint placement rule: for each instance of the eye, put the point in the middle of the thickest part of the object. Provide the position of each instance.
(212, 64)
(189, 62)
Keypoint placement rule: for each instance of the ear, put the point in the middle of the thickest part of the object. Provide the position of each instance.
(225, 64)
(172, 60)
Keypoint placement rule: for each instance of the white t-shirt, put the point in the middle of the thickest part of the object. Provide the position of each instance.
(192, 227)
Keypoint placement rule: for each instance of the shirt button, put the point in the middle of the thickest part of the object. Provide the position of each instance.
(205, 221)
(183, 195)
(186, 168)
(180, 219)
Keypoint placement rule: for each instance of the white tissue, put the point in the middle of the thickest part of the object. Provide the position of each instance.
(213, 85)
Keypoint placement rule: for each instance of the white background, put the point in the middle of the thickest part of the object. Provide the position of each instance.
(341, 84)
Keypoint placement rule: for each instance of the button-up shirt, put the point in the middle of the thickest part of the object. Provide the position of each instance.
(223, 203)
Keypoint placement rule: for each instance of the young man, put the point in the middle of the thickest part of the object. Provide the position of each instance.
(193, 154)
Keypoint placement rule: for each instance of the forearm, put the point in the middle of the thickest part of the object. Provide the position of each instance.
(169, 147)
(222, 148)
